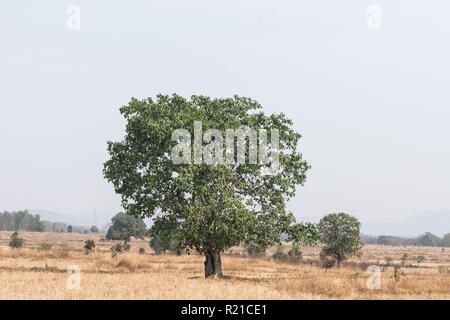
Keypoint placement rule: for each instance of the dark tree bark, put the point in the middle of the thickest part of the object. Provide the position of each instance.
(213, 264)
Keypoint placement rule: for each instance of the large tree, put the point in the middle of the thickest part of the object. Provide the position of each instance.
(207, 205)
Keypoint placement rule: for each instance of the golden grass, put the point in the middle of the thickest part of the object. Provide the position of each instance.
(32, 274)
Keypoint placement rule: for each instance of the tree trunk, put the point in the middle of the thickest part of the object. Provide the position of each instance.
(213, 264)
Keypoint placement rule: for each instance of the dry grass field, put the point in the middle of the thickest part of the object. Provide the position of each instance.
(29, 273)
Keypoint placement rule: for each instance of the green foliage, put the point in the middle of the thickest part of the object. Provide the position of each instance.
(141, 251)
(94, 229)
(295, 251)
(254, 249)
(20, 220)
(388, 260)
(162, 242)
(279, 253)
(119, 248)
(404, 259)
(420, 259)
(398, 273)
(125, 226)
(15, 242)
(89, 246)
(327, 261)
(446, 240)
(340, 234)
(429, 240)
(208, 208)
(44, 245)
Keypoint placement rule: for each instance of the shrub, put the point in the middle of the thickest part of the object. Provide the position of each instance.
(254, 249)
(404, 259)
(280, 254)
(295, 251)
(420, 259)
(327, 262)
(119, 248)
(141, 251)
(388, 260)
(89, 246)
(398, 273)
(16, 242)
(163, 242)
(44, 245)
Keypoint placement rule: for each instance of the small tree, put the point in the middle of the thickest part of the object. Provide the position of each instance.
(420, 259)
(279, 253)
(124, 227)
(254, 249)
(398, 273)
(295, 251)
(404, 259)
(16, 242)
(69, 228)
(340, 234)
(94, 229)
(89, 246)
(388, 260)
(117, 249)
(163, 241)
(157, 245)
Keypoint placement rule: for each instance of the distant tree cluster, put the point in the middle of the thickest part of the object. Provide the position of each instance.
(20, 220)
(25, 221)
(426, 240)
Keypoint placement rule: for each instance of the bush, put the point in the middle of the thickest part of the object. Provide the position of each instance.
(44, 245)
(16, 242)
(327, 262)
(388, 260)
(141, 251)
(280, 254)
(420, 259)
(162, 243)
(89, 246)
(295, 251)
(119, 248)
(254, 249)
(398, 273)
(404, 259)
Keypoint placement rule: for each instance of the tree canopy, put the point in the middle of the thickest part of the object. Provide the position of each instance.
(208, 207)
(340, 235)
(125, 226)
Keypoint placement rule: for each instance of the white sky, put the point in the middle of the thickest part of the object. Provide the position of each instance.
(373, 106)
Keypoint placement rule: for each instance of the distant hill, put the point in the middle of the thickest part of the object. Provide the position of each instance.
(437, 223)
(81, 220)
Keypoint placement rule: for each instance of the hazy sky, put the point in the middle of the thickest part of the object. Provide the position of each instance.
(373, 106)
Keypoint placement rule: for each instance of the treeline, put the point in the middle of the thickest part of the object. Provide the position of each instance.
(25, 221)
(20, 220)
(427, 240)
